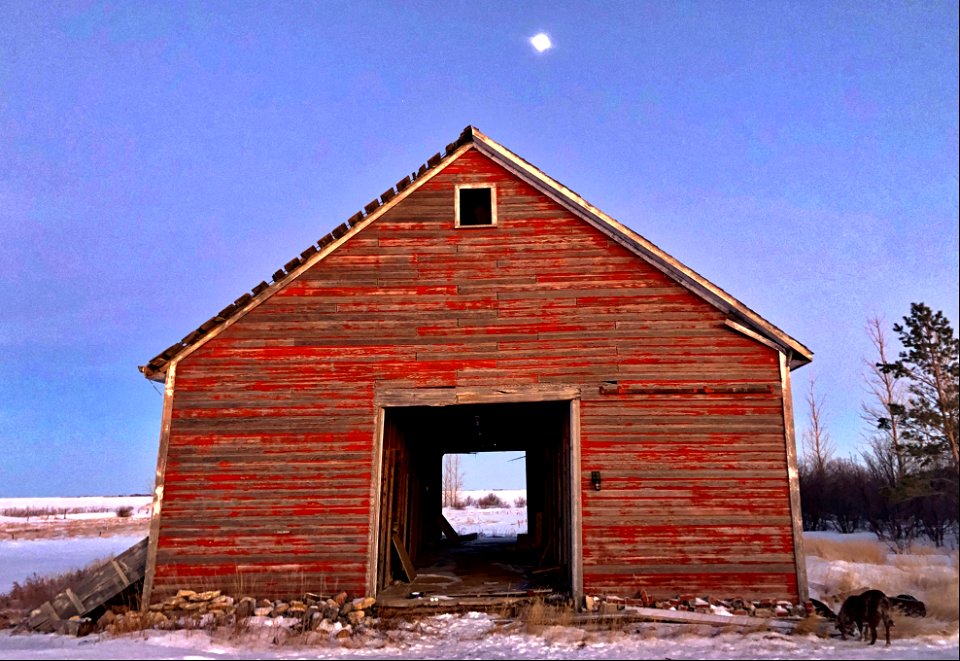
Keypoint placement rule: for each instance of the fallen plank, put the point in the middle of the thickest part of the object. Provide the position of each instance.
(447, 529)
(405, 561)
(639, 614)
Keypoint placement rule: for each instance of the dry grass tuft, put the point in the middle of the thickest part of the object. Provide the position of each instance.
(812, 624)
(849, 550)
(538, 615)
(942, 603)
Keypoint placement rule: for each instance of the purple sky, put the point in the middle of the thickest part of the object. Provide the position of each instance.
(159, 159)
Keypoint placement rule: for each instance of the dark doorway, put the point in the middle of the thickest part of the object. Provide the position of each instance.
(415, 540)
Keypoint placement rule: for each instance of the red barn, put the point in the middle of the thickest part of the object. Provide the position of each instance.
(479, 305)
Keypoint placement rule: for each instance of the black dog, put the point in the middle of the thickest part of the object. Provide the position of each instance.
(909, 605)
(865, 610)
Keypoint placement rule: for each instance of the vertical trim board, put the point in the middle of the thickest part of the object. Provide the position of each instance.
(793, 478)
(167, 415)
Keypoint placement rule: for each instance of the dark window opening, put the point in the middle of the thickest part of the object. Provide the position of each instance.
(476, 207)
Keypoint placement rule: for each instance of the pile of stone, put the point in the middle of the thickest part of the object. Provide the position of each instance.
(764, 608)
(189, 609)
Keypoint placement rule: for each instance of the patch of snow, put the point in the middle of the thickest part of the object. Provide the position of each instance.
(474, 636)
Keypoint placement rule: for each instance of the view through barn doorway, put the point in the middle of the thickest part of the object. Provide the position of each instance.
(421, 552)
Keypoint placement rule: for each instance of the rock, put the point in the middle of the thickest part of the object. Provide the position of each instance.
(355, 616)
(280, 608)
(312, 616)
(346, 608)
(364, 603)
(205, 596)
(77, 626)
(331, 613)
(106, 619)
(343, 634)
(224, 601)
(608, 608)
(157, 620)
(590, 603)
(341, 598)
(245, 608)
(185, 594)
(263, 611)
(265, 603)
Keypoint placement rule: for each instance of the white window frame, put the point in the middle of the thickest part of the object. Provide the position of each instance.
(493, 205)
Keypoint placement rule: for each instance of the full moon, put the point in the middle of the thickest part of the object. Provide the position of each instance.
(541, 42)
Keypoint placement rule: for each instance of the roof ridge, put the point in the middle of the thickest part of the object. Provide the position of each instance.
(158, 362)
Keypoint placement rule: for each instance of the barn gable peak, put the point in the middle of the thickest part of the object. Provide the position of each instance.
(740, 317)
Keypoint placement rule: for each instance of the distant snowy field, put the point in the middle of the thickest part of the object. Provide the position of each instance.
(493, 522)
(85, 507)
(931, 575)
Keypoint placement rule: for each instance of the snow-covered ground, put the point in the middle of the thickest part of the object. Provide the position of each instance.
(930, 575)
(474, 636)
(506, 521)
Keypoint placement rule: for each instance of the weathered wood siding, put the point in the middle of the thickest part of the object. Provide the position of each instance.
(270, 451)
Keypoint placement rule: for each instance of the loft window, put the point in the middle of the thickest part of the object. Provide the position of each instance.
(476, 205)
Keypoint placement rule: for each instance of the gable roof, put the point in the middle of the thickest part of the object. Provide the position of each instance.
(740, 317)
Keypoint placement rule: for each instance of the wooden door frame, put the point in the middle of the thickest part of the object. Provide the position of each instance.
(403, 397)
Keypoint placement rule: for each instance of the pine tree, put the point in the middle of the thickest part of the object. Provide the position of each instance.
(930, 362)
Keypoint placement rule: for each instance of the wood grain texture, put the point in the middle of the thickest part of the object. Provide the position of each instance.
(271, 447)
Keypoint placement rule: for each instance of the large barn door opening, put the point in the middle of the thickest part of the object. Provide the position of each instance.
(420, 553)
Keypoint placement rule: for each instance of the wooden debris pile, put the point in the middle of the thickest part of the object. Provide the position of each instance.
(71, 611)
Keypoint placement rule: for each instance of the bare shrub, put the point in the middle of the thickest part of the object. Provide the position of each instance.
(848, 550)
(35, 590)
(520, 502)
(942, 603)
(125, 511)
(490, 501)
(452, 480)
(30, 512)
